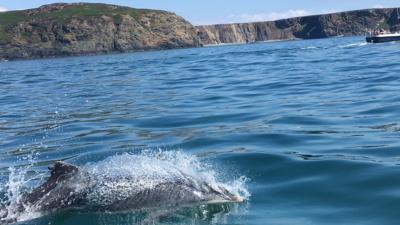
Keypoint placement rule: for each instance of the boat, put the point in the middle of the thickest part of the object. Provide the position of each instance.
(379, 37)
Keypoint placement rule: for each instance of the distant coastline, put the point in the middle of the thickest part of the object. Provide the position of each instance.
(60, 29)
(350, 23)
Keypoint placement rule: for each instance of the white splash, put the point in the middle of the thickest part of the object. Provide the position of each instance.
(124, 175)
(15, 186)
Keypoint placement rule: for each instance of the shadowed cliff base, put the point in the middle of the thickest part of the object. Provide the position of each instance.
(359, 22)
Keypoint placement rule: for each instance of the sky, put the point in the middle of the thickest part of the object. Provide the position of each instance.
(202, 12)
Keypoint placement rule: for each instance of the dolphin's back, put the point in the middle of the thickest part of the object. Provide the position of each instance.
(161, 195)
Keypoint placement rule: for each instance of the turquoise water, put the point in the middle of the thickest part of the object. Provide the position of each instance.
(312, 125)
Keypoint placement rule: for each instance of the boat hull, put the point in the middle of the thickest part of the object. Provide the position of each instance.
(377, 39)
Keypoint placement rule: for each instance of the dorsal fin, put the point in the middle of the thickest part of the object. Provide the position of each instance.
(58, 172)
(60, 168)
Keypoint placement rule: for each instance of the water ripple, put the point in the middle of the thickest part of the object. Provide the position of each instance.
(314, 124)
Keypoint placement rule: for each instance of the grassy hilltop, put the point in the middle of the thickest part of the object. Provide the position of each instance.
(81, 28)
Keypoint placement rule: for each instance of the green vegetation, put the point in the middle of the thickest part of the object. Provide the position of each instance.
(7, 19)
(117, 19)
(81, 10)
(12, 17)
(85, 10)
(384, 25)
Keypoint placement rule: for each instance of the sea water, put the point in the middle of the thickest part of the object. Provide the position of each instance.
(306, 131)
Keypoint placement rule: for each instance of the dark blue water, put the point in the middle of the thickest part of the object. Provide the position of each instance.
(313, 124)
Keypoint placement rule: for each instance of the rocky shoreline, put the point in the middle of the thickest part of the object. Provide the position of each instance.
(61, 29)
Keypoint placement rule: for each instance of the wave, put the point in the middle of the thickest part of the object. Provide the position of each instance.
(309, 47)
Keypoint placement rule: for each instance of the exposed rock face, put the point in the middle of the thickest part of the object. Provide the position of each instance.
(320, 26)
(76, 29)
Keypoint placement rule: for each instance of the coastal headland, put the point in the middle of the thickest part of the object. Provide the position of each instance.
(88, 28)
(83, 28)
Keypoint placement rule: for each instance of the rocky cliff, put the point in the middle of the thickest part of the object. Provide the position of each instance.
(349, 23)
(81, 28)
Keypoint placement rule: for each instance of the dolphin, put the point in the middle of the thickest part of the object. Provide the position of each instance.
(69, 187)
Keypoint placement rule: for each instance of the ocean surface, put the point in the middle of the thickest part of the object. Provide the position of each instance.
(307, 131)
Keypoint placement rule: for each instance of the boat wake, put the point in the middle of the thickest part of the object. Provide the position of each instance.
(353, 45)
(120, 177)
